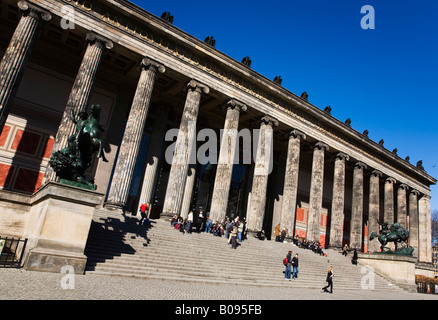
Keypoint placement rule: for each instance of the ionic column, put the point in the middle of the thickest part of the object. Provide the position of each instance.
(401, 205)
(17, 53)
(388, 199)
(316, 185)
(80, 93)
(188, 191)
(424, 229)
(155, 147)
(413, 222)
(127, 157)
(374, 208)
(356, 222)
(262, 169)
(290, 187)
(183, 148)
(338, 199)
(224, 169)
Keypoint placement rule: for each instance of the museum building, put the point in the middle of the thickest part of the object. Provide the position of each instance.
(327, 182)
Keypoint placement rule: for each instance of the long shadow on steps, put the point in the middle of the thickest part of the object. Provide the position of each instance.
(106, 238)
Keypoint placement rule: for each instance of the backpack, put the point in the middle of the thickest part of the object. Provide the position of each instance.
(285, 261)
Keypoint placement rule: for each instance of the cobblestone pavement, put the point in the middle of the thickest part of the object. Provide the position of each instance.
(30, 285)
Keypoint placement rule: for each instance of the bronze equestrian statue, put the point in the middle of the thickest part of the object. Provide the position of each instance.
(71, 162)
(395, 233)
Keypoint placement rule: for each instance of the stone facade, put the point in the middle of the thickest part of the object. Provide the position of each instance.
(325, 181)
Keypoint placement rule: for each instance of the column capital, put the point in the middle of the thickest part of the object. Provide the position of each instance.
(342, 156)
(148, 63)
(94, 38)
(33, 10)
(426, 197)
(377, 173)
(235, 104)
(360, 165)
(403, 186)
(390, 180)
(198, 86)
(297, 134)
(321, 146)
(415, 192)
(268, 120)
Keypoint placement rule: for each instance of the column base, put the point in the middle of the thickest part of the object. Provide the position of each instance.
(115, 207)
(335, 247)
(253, 233)
(167, 215)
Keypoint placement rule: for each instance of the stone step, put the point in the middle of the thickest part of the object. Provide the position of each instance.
(118, 246)
(259, 281)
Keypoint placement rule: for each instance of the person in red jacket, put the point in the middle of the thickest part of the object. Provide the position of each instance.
(143, 209)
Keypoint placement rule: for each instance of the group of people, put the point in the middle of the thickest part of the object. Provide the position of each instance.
(279, 236)
(291, 265)
(232, 229)
(314, 246)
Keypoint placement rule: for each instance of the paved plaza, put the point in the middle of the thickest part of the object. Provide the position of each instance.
(30, 285)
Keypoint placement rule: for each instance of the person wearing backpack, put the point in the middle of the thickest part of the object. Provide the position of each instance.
(143, 209)
(288, 263)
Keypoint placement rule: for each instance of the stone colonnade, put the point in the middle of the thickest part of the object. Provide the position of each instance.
(418, 206)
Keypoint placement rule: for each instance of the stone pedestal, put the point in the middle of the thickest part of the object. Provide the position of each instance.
(399, 268)
(58, 227)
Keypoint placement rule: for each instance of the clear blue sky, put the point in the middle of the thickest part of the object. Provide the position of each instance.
(385, 80)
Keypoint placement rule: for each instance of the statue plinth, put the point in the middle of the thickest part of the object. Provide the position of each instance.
(397, 267)
(87, 186)
(59, 221)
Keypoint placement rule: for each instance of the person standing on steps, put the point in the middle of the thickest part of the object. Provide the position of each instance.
(277, 233)
(189, 222)
(240, 230)
(233, 236)
(295, 267)
(287, 272)
(329, 281)
(201, 222)
(143, 209)
(354, 259)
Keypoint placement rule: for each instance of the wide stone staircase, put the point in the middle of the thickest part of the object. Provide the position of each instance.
(118, 246)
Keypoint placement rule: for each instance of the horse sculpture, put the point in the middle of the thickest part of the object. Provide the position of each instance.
(397, 234)
(71, 162)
